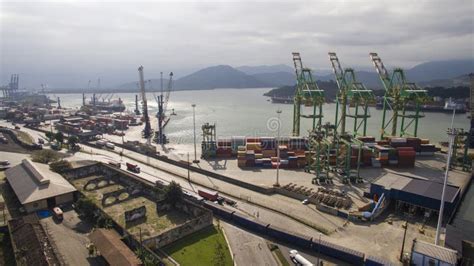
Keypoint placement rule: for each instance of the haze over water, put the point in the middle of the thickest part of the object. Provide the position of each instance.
(246, 112)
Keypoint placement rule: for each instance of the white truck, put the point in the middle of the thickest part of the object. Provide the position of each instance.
(298, 259)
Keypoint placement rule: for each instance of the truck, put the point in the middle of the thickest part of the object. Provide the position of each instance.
(133, 168)
(298, 259)
(208, 195)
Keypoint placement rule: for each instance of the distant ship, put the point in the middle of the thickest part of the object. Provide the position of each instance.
(448, 107)
(109, 106)
(276, 99)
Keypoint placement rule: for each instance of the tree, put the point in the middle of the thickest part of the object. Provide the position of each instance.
(86, 208)
(50, 135)
(60, 166)
(72, 141)
(59, 137)
(173, 193)
(45, 156)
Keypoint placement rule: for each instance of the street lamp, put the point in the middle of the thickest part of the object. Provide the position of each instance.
(319, 249)
(452, 132)
(277, 183)
(194, 126)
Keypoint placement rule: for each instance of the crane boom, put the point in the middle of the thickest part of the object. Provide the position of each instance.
(307, 92)
(168, 92)
(147, 129)
(398, 94)
(352, 93)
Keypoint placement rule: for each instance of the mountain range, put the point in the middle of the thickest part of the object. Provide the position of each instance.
(436, 73)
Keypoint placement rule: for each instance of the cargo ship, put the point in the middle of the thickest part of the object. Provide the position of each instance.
(109, 106)
(448, 107)
(276, 99)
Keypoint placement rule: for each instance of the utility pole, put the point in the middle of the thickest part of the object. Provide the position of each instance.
(319, 249)
(277, 183)
(194, 130)
(403, 243)
(189, 174)
(451, 135)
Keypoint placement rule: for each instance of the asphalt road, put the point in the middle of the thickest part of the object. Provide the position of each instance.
(247, 248)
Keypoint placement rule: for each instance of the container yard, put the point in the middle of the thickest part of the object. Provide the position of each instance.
(237, 133)
(340, 173)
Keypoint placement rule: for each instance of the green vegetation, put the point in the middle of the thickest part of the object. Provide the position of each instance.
(173, 193)
(60, 166)
(59, 137)
(279, 255)
(50, 135)
(24, 137)
(45, 156)
(155, 222)
(7, 257)
(146, 258)
(205, 247)
(87, 211)
(72, 142)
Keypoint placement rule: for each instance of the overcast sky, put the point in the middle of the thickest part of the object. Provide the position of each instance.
(67, 43)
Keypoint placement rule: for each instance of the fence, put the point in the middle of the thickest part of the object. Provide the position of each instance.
(324, 247)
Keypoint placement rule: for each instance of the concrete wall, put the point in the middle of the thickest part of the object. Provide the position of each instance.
(65, 198)
(179, 232)
(43, 204)
(35, 206)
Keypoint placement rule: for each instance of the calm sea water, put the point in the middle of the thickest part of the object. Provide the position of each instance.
(246, 112)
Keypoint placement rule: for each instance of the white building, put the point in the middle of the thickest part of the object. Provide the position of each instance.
(37, 187)
(428, 254)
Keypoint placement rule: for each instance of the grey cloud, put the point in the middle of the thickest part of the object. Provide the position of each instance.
(64, 43)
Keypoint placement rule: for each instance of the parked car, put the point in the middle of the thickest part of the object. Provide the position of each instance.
(40, 141)
(305, 202)
(110, 145)
(17, 127)
(58, 213)
(114, 164)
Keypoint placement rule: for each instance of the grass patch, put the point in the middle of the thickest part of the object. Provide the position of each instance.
(6, 250)
(205, 247)
(24, 137)
(276, 251)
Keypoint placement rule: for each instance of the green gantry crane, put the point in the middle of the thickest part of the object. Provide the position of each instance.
(209, 143)
(351, 93)
(318, 157)
(398, 95)
(345, 145)
(307, 93)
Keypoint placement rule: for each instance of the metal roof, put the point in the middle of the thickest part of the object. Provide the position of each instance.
(112, 248)
(431, 190)
(437, 252)
(420, 187)
(34, 181)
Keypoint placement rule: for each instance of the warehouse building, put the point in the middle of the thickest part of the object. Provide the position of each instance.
(37, 187)
(416, 195)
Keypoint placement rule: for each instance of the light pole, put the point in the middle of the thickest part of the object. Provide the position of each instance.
(194, 130)
(277, 183)
(451, 135)
(319, 249)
